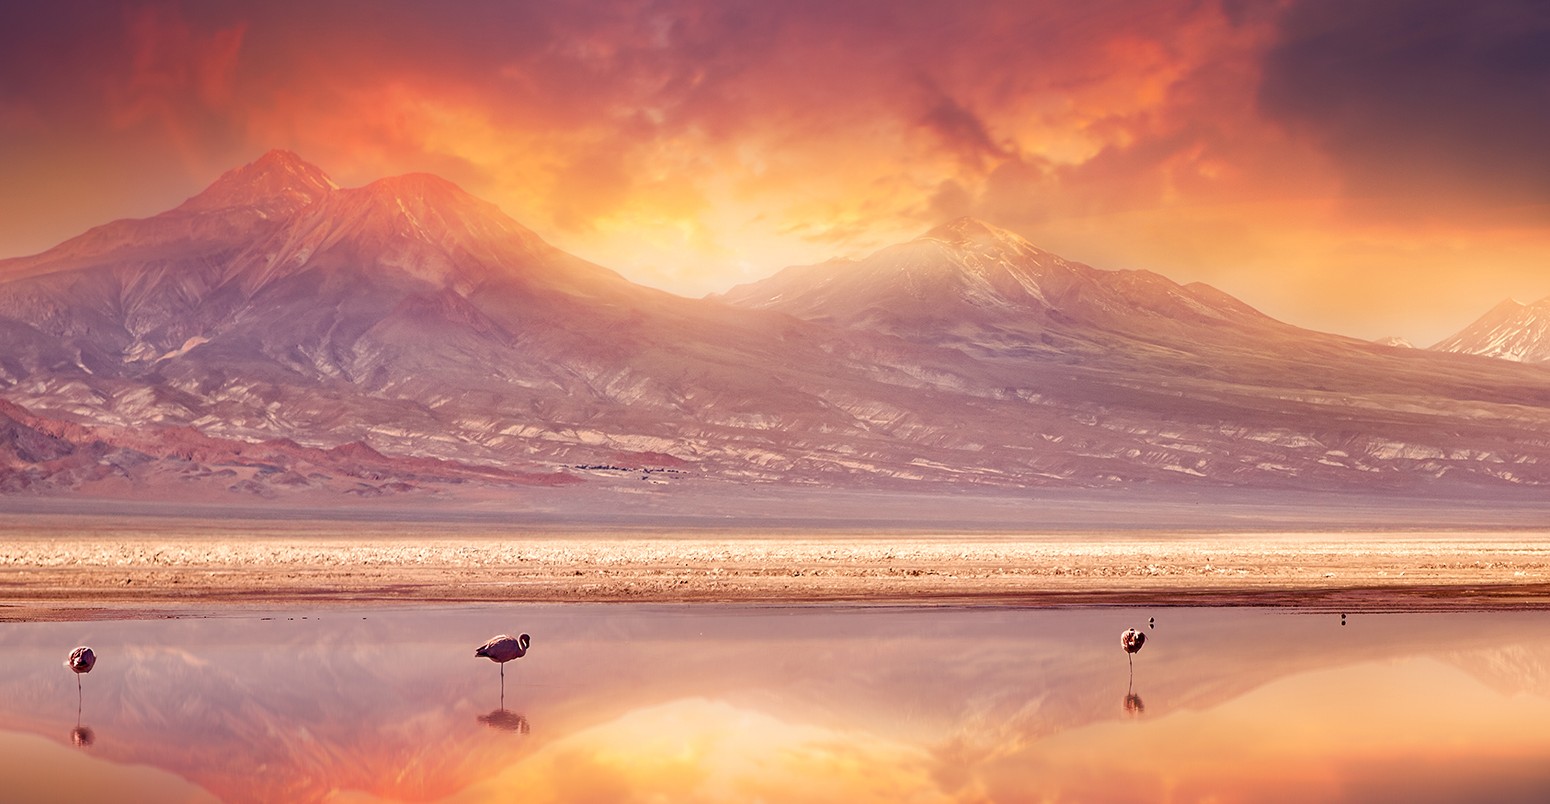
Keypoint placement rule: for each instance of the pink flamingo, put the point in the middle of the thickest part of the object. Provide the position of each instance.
(1132, 640)
(81, 660)
(502, 649)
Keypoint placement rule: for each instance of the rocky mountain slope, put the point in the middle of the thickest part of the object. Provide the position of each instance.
(408, 322)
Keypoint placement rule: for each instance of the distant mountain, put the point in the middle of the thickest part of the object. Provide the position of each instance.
(1395, 341)
(989, 293)
(279, 336)
(1188, 373)
(971, 284)
(1510, 331)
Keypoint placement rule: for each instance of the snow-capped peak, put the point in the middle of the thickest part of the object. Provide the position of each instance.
(1510, 331)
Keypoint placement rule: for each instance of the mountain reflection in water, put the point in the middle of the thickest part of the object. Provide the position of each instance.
(715, 703)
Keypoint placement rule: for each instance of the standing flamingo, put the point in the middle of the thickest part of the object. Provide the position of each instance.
(1132, 640)
(81, 660)
(502, 649)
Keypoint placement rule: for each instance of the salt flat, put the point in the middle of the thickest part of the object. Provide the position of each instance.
(53, 568)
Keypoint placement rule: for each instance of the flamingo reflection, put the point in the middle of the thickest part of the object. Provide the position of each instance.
(1133, 705)
(81, 736)
(506, 720)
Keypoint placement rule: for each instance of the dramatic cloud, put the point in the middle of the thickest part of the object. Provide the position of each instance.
(1275, 148)
(1420, 99)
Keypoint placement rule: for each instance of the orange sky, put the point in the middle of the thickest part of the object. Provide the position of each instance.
(1363, 167)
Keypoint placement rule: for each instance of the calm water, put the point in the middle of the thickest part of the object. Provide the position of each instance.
(670, 703)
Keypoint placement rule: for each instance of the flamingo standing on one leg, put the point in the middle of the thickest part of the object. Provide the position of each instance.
(1132, 640)
(81, 660)
(502, 649)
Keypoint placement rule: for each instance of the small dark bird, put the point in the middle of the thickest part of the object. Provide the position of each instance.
(81, 660)
(502, 649)
(1132, 640)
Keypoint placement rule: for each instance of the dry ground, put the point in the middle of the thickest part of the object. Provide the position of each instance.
(52, 568)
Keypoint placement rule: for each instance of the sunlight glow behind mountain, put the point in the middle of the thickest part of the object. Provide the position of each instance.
(1372, 173)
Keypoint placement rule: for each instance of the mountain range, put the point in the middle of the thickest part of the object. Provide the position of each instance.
(279, 336)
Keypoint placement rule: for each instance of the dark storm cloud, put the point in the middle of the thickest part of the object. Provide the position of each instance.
(1420, 97)
(962, 129)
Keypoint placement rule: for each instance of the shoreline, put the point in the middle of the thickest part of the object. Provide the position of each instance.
(1330, 600)
(138, 572)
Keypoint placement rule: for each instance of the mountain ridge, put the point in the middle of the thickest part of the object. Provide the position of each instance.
(970, 273)
(419, 322)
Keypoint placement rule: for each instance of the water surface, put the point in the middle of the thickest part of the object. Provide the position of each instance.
(681, 703)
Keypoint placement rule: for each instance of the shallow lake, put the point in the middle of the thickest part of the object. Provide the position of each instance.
(815, 703)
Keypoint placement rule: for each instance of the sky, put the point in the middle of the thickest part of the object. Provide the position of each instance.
(1367, 167)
